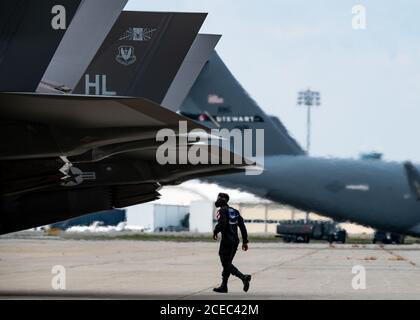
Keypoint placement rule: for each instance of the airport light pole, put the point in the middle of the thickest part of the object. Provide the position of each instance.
(309, 99)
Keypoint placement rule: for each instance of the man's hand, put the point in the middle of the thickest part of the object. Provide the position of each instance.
(214, 236)
(245, 247)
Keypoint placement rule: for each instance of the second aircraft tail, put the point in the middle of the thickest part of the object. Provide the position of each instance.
(217, 100)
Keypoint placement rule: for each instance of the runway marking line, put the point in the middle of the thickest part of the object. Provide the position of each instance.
(397, 257)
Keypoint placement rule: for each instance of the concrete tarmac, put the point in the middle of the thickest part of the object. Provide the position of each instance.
(170, 270)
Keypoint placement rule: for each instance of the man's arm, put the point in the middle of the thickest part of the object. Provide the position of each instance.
(244, 233)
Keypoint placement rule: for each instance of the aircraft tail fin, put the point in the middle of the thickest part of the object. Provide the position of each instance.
(30, 32)
(218, 100)
(190, 69)
(86, 33)
(134, 61)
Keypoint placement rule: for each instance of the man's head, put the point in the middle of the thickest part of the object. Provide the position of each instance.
(222, 200)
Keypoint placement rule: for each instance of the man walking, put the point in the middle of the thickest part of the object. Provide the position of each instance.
(228, 221)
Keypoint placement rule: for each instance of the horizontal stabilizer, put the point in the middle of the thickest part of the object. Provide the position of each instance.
(68, 125)
(93, 134)
(79, 111)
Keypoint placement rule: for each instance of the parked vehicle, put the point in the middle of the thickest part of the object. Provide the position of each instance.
(385, 237)
(301, 231)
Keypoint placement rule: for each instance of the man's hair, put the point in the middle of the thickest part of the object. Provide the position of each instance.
(224, 196)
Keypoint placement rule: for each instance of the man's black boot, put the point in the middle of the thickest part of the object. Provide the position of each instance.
(223, 287)
(246, 279)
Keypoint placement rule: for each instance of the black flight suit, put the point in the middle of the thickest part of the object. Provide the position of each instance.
(229, 220)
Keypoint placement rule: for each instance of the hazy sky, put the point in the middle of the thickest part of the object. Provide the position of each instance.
(369, 79)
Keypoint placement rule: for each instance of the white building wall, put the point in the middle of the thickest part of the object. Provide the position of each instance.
(141, 215)
(169, 215)
(154, 216)
(201, 216)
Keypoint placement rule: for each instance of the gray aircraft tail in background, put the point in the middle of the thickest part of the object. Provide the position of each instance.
(218, 100)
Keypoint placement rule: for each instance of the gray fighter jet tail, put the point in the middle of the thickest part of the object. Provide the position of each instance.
(30, 32)
(141, 55)
(84, 36)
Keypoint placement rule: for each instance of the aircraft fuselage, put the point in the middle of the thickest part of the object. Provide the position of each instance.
(369, 192)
